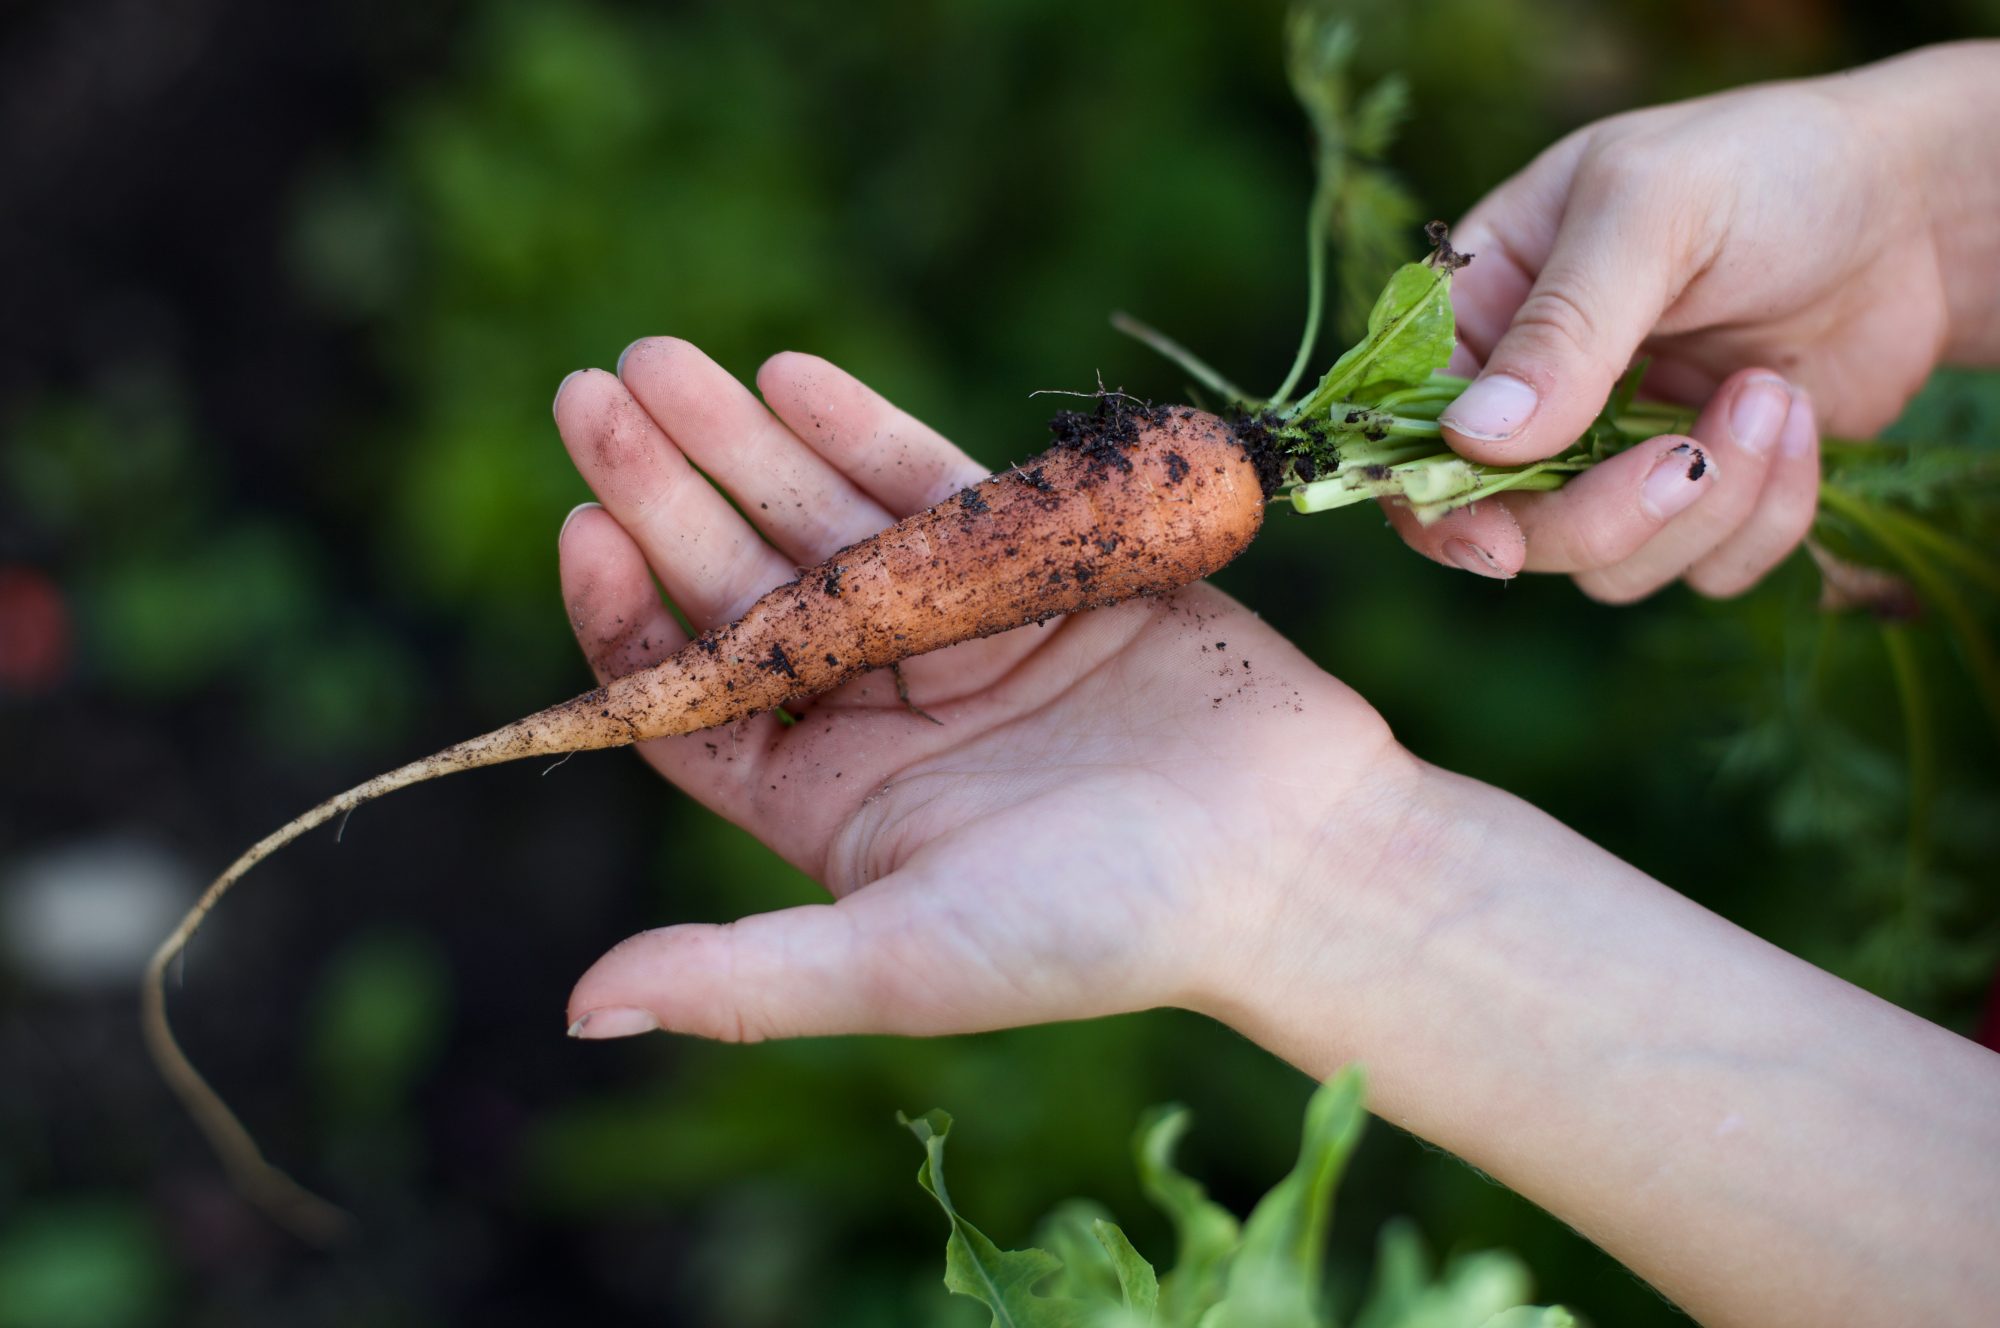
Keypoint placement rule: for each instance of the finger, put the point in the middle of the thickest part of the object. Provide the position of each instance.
(1783, 515)
(623, 627)
(802, 504)
(1607, 514)
(867, 964)
(1737, 432)
(1614, 263)
(899, 461)
(709, 560)
(1520, 216)
(1483, 539)
(613, 606)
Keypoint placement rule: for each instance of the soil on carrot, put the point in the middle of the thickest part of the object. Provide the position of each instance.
(1104, 434)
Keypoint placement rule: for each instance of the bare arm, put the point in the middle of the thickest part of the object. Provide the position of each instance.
(1763, 1142)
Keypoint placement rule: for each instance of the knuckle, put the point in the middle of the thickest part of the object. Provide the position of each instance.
(1612, 586)
(1552, 311)
(1595, 544)
(1722, 580)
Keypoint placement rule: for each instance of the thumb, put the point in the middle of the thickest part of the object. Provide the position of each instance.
(866, 964)
(1597, 293)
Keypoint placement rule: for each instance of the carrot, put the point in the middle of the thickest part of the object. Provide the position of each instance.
(1132, 500)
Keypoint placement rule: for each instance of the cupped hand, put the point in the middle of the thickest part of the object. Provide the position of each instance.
(1775, 235)
(1098, 815)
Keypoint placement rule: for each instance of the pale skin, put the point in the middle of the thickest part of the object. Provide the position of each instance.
(1088, 830)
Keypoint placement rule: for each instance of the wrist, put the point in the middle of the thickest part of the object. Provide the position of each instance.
(1943, 102)
(1347, 928)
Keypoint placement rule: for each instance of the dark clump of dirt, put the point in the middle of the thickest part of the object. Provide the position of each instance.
(970, 500)
(1034, 479)
(1105, 434)
(832, 583)
(1177, 467)
(777, 663)
(1699, 466)
(1260, 444)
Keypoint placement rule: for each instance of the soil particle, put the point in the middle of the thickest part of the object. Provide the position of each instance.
(1699, 466)
(1266, 457)
(832, 583)
(1034, 479)
(970, 500)
(1177, 468)
(776, 662)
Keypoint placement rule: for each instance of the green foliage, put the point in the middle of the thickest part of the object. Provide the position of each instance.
(1359, 207)
(82, 1263)
(381, 1014)
(1409, 337)
(1267, 1273)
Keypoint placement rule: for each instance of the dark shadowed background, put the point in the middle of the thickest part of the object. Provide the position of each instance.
(287, 290)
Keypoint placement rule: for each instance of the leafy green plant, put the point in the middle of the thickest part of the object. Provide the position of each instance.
(1266, 1272)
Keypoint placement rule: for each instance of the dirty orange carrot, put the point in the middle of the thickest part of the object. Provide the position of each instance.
(1131, 500)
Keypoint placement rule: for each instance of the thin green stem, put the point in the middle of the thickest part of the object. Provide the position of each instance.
(1191, 364)
(1922, 749)
(1936, 588)
(1957, 553)
(1315, 301)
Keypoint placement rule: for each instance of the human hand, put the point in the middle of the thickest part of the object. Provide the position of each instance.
(1798, 226)
(1107, 815)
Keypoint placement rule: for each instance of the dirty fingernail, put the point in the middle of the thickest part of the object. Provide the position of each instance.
(1675, 482)
(1758, 412)
(556, 405)
(1492, 409)
(619, 368)
(614, 1021)
(1474, 559)
(571, 517)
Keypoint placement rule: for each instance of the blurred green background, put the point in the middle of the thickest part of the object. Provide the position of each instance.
(288, 290)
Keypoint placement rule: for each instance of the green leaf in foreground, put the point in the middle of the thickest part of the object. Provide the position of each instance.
(1266, 1273)
(1484, 1290)
(1205, 1232)
(1410, 337)
(1274, 1281)
(1004, 1281)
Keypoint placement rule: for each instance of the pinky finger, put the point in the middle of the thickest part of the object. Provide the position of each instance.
(608, 593)
(1783, 515)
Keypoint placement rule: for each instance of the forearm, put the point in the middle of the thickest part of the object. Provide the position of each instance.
(1763, 1142)
(1943, 103)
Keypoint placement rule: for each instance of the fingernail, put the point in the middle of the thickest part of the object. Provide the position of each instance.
(1758, 412)
(556, 405)
(1492, 409)
(571, 517)
(1473, 559)
(1675, 482)
(619, 368)
(1801, 426)
(614, 1021)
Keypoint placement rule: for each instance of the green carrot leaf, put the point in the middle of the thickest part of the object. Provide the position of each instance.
(1138, 1285)
(1275, 1279)
(1206, 1234)
(1486, 1290)
(1005, 1281)
(1410, 337)
(1069, 1232)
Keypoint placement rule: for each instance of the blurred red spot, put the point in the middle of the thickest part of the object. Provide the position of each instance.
(34, 631)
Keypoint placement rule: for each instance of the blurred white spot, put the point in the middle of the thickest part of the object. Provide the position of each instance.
(88, 915)
(1729, 1124)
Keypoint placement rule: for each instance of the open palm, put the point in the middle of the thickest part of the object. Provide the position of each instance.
(1082, 818)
